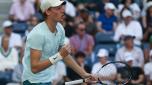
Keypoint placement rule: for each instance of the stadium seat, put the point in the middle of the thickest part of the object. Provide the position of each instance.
(20, 28)
(104, 38)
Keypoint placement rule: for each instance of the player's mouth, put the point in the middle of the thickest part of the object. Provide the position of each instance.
(63, 16)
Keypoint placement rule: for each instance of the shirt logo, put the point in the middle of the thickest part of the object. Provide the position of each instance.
(54, 58)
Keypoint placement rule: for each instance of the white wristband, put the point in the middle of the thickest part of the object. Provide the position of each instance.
(55, 58)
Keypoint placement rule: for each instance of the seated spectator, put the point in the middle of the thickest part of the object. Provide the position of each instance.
(148, 70)
(80, 58)
(91, 27)
(38, 12)
(147, 47)
(60, 73)
(14, 38)
(148, 24)
(136, 52)
(8, 60)
(107, 21)
(137, 72)
(17, 73)
(110, 75)
(32, 23)
(130, 4)
(129, 27)
(82, 41)
(21, 10)
(146, 5)
(69, 26)
(100, 5)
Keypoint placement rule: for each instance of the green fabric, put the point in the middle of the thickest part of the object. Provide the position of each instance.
(2, 52)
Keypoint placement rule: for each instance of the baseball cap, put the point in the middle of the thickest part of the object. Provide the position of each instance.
(7, 23)
(128, 56)
(126, 13)
(45, 4)
(110, 6)
(103, 53)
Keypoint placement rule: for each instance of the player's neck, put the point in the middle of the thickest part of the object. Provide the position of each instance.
(51, 25)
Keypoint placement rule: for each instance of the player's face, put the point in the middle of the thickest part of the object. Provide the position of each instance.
(57, 13)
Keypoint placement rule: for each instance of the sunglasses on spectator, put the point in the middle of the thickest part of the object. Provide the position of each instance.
(82, 29)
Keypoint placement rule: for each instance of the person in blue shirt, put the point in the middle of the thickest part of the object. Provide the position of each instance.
(106, 22)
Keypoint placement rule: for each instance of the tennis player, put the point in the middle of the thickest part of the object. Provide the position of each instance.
(42, 47)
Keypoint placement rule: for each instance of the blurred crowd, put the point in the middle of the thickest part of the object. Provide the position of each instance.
(99, 31)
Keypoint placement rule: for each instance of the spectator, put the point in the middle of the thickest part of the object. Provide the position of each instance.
(21, 10)
(129, 4)
(148, 70)
(32, 23)
(88, 20)
(80, 58)
(107, 21)
(8, 60)
(14, 38)
(129, 27)
(147, 47)
(137, 72)
(17, 73)
(69, 26)
(148, 24)
(146, 5)
(100, 5)
(60, 73)
(110, 75)
(38, 12)
(131, 48)
(82, 41)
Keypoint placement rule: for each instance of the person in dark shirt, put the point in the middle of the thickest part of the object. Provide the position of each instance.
(80, 58)
(136, 72)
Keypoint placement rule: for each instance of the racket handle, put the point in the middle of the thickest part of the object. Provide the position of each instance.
(74, 82)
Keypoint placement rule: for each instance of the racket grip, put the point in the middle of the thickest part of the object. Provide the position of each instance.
(74, 82)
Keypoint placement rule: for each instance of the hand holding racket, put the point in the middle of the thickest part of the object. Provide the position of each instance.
(103, 72)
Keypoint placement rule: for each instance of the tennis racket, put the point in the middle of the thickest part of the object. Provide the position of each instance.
(107, 71)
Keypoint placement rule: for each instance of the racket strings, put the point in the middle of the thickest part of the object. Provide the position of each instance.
(106, 69)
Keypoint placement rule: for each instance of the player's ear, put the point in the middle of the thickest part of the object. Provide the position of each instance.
(48, 11)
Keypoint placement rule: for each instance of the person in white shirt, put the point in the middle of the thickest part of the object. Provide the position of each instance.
(8, 60)
(133, 6)
(21, 10)
(15, 39)
(103, 55)
(60, 74)
(148, 70)
(129, 47)
(129, 27)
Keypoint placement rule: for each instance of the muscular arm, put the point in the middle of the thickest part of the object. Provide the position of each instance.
(36, 64)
